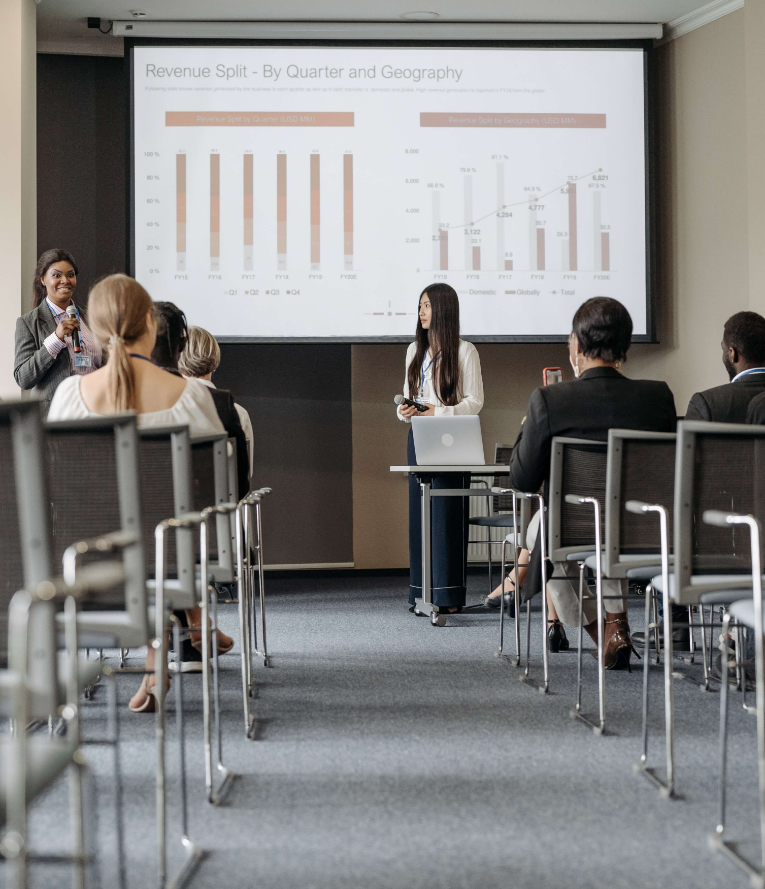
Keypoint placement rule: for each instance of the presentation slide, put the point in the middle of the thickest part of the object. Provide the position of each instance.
(313, 192)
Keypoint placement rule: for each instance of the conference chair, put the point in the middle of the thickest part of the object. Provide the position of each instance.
(747, 612)
(500, 507)
(523, 508)
(39, 680)
(640, 466)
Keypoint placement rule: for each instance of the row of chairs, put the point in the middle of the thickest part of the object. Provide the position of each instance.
(141, 523)
(681, 516)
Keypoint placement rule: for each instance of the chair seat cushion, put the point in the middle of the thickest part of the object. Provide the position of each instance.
(708, 584)
(743, 611)
(493, 521)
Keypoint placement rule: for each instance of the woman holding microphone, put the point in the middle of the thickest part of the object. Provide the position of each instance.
(444, 373)
(46, 352)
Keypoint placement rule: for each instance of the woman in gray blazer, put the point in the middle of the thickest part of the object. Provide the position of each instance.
(45, 352)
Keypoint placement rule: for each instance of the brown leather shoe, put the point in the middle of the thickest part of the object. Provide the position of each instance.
(617, 644)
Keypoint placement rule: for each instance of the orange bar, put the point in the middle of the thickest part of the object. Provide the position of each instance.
(522, 121)
(214, 209)
(605, 251)
(315, 211)
(259, 119)
(476, 259)
(281, 210)
(540, 249)
(348, 210)
(180, 202)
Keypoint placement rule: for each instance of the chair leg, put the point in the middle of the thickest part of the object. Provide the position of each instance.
(649, 595)
(77, 815)
(720, 830)
(691, 635)
(502, 600)
(705, 686)
(578, 701)
(262, 583)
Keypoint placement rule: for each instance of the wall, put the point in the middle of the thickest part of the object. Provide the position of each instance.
(17, 161)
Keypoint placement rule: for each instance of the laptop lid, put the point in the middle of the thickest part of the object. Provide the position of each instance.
(448, 441)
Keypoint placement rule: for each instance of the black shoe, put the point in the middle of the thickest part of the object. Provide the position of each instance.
(492, 601)
(681, 639)
(556, 637)
(191, 659)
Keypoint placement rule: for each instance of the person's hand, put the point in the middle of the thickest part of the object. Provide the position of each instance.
(407, 411)
(66, 326)
(430, 412)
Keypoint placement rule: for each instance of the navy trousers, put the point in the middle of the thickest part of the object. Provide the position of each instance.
(449, 537)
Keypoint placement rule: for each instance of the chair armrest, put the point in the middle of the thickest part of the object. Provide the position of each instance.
(720, 518)
(104, 543)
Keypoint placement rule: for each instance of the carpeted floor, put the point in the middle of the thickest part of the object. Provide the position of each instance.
(393, 754)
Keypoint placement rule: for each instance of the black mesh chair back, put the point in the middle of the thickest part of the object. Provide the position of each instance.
(209, 457)
(25, 553)
(166, 492)
(577, 467)
(719, 466)
(502, 502)
(641, 466)
(95, 489)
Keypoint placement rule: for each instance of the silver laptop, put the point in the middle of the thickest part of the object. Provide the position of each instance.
(448, 441)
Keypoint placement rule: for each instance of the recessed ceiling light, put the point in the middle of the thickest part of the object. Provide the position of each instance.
(138, 13)
(419, 16)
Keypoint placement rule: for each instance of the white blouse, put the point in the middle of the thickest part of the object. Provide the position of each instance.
(195, 409)
(471, 383)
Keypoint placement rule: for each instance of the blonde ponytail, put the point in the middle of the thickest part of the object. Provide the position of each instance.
(117, 311)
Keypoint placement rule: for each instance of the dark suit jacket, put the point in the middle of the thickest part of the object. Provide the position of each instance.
(601, 399)
(728, 403)
(756, 412)
(224, 404)
(34, 367)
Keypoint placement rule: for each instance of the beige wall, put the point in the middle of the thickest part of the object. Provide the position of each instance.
(706, 258)
(18, 159)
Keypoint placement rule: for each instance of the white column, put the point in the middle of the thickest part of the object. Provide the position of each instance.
(18, 162)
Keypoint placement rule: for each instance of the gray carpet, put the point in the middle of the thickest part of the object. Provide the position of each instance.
(394, 754)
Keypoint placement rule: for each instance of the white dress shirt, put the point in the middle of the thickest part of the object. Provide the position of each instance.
(471, 383)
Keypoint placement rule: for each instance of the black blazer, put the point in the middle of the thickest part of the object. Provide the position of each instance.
(601, 399)
(224, 404)
(728, 403)
(756, 412)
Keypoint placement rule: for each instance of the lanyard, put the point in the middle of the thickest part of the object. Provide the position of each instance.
(142, 357)
(423, 371)
(58, 317)
(746, 373)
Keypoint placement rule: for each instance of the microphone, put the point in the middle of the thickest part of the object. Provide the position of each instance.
(399, 400)
(72, 313)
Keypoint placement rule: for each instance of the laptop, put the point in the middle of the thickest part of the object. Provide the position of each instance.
(448, 441)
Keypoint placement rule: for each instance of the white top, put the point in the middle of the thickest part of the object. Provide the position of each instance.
(244, 419)
(195, 409)
(471, 383)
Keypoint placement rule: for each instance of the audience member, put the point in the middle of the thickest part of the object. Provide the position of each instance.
(122, 315)
(599, 399)
(45, 353)
(743, 355)
(199, 360)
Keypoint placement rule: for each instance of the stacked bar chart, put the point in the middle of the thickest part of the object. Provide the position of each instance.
(248, 205)
(348, 211)
(180, 212)
(315, 213)
(214, 212)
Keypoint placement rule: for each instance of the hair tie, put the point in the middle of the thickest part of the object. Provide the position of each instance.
(116, 338)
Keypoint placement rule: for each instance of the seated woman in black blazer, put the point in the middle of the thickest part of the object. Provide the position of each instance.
(599, 399)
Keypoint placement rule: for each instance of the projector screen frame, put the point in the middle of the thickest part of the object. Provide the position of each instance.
(644, 45)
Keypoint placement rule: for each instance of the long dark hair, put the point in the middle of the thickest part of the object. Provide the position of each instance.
(172, 335)
(443, 337)
(43, 264)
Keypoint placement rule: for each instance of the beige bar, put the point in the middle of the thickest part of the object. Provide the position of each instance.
(476, 259)
(281, 211)
(247, 208)
(508, 265)
(605, 251)
(540, 249)
(315, 212)
(443, 237)
(521, 121)
(573, 263)
(259, 119)
(180, 209)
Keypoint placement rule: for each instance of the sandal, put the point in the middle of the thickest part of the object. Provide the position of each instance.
(145, 699)
(225, 643)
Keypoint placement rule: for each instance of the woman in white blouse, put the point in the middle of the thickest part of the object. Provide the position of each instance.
(121, 315)
(443, 372)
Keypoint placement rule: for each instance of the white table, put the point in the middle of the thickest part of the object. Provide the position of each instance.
(425, 476)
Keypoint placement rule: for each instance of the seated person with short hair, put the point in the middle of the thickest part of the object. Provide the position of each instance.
(743, 355)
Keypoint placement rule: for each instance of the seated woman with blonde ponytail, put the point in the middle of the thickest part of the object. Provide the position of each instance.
(121, 316)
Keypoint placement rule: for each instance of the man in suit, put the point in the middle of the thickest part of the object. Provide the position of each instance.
(743, 355)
